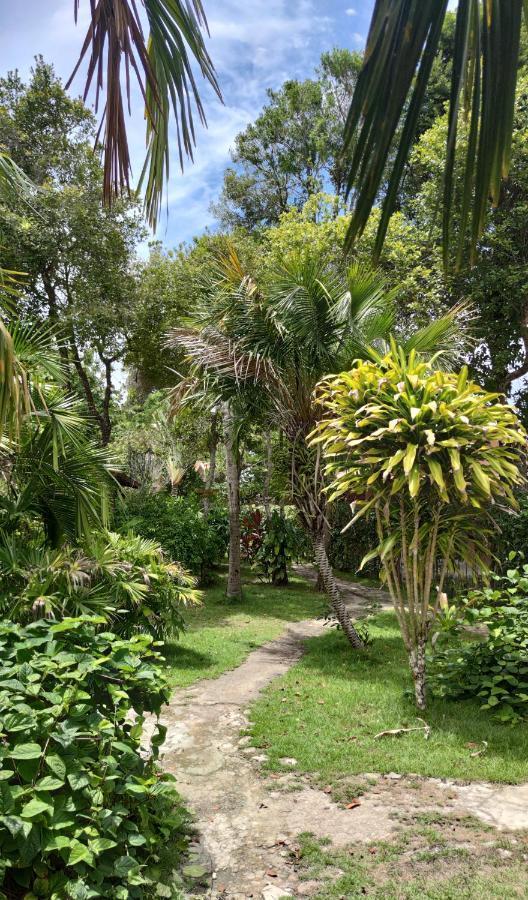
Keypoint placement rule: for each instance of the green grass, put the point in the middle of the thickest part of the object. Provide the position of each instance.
(327, 709)
(416, 866)
(220, 634)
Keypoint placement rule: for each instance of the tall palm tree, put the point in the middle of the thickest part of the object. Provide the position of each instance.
(279, 340)
(402, 43)
(116, 46)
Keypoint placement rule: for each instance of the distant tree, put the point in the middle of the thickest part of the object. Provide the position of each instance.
(76, 253)
(293, 149)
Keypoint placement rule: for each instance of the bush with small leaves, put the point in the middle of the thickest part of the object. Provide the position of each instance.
(179, 526)
(84, 809)
(495, 668)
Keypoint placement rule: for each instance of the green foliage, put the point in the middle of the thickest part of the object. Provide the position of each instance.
(495, 668)
(390, 92)
(347, 550)
(125, 579)
(180, 527)
(399, 430)
(77, 253)
(51, 468)
(512, 530)
(293, 148)
(83, 810)
(427, 451)
(279, 544)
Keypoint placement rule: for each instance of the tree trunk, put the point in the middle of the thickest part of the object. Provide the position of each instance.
(267, 476)
(320, 585)
(211, 475)
(417, 663)
(234, 584)
(105, 420)
(332, 590)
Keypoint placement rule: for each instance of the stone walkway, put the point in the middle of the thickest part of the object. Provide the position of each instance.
(248, 821)
(361, 599)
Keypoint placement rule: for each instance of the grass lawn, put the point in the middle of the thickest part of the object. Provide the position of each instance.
(220, 634)
(326, 710)
(451, 859)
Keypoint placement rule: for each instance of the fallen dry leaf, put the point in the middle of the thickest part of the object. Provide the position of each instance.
(353, 804)
(271, 873)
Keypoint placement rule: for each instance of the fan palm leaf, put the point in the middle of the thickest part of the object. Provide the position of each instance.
(401, 46)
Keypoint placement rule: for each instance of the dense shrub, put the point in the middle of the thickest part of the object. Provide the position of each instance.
(179, 526)
(512, 530)
(125, 578)
(280, 543)
(83, 811)
(346, 550)
(495, 668)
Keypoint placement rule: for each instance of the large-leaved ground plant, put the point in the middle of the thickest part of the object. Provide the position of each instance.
(430, 454)
(84, 807)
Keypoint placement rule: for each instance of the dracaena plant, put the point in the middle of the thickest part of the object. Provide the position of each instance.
(429, 453)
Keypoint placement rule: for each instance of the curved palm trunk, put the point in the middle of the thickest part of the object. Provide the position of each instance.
(331, 589)
(234, 583)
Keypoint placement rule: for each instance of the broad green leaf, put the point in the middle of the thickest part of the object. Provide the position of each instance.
(26, 751)
(410, 456)
(80, 853)
(49, 783)
(36, 807)
(56, 764)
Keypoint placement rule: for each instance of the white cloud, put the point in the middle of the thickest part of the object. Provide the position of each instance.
(350, 11)
(358, 38)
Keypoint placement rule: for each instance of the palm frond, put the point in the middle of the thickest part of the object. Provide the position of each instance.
(13, 181)
(218, 355)
(115, 42)
(402, 43)
(448, 337)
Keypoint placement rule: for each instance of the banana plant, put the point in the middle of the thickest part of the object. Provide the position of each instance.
(430, 454)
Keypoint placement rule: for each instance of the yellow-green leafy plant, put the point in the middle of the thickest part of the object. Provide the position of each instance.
(430, 453)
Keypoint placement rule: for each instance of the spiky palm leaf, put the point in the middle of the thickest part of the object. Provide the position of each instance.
(161, 62)
(402, 43)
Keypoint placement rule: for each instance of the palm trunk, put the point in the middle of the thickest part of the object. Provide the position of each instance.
(211, 475)
(332, 591)
(234, 584)
(320, 585)
(417, 663)
(267, 475)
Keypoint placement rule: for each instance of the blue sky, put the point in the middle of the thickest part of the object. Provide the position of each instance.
(255, 44)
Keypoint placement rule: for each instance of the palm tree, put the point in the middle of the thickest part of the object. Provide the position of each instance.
(308, 321)
(401, 46)
(49, 465)
(115, 44)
